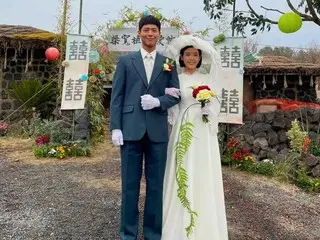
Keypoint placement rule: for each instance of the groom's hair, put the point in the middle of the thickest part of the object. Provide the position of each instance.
(181, 62)
(149, 19)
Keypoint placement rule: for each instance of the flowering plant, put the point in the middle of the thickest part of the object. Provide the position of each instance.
(3, 129)
(306, 144)
(238, 154)
(63, 151)
(60, 151)
(203, 94)
(296, 137)
(242, 154)
(168, 65)
(42, 140)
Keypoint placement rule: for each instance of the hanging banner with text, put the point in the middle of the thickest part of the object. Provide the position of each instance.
(74, 88)
(127, 39)
(231, 85)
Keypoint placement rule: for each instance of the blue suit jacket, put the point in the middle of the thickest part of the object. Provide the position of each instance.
(128, 85)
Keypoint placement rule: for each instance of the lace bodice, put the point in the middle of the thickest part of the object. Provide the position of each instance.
(186, 83)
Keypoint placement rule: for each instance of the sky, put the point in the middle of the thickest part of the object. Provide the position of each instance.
(43, 14)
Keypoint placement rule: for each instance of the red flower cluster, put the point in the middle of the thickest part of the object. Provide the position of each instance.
(3, 129)
(232, 142)
(42, 140)
(236, 152)
(240, 154)
(198, 89)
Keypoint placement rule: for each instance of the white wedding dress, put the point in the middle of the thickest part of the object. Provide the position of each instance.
(203, 166)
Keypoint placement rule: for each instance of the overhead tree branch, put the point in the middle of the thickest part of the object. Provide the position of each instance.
(238, 11)
(258, 16)
(258, 21)
(313, 12)
(272, 9)
(304, 16)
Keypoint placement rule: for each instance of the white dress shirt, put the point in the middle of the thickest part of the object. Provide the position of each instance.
(148, 60)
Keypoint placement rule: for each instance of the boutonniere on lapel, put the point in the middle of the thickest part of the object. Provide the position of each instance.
(168, 65)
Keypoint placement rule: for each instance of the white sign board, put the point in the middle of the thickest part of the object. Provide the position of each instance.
(231, 85)
(77, 55)
(127, 39)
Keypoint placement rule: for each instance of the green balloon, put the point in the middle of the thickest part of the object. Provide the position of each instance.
(289, 22)
(219, 38)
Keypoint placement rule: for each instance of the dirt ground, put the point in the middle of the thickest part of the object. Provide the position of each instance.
(80, 199)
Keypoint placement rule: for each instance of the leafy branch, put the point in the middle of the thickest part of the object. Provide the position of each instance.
(258, 22)
(181, 148)
(130, 17)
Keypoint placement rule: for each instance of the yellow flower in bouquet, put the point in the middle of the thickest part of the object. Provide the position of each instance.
(204, 95)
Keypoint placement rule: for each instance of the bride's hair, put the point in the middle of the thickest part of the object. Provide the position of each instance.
(181, 62)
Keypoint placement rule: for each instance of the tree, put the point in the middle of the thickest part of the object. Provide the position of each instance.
(311, 54)
(266, 51)
(308, 10)
(277, 51)
(250, 46)
(222, 25)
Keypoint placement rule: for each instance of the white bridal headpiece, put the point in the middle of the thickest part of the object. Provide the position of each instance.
(209, 54)
(209, 57)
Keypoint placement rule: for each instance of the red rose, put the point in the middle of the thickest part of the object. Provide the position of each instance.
(198, 89)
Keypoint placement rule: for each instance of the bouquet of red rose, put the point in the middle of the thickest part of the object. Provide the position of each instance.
(203, 94)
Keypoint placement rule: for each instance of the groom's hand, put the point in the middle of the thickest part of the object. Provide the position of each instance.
(148, 102)
(117, 138)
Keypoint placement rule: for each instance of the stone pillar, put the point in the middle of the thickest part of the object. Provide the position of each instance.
(82, 124)
(78, 121)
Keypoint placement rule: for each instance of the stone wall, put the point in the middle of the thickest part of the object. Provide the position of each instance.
(15, 71)
(294, 91)
(264, 134)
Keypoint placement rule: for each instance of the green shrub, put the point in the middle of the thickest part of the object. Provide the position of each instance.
(33, 93)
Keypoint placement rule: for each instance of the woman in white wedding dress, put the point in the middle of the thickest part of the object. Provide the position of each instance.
(202, 161)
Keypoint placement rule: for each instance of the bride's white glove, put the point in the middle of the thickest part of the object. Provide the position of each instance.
(174, 92)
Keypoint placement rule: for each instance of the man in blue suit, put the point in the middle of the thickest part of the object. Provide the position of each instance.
(138, 120)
